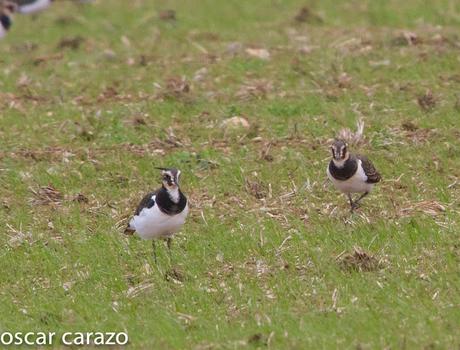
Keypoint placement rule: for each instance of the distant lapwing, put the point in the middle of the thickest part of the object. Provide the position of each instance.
(161, 213)
(351, 173)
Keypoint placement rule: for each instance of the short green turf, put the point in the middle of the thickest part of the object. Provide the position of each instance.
(93, 96)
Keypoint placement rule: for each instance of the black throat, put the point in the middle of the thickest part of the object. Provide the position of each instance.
(344, 173)
(166, 205)
(5, 21)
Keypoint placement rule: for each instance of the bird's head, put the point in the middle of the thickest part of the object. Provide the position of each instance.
(339, 151)
(7, 8)
(170, 178)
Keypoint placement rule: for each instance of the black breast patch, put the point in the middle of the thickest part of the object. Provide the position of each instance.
(344, 173)
(167, 206)
(5, 21)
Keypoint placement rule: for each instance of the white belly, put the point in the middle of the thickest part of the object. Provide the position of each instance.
(356, 183)
(2, 31)
(153, 223)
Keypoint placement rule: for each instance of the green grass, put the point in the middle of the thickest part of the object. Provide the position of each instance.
(251, 272)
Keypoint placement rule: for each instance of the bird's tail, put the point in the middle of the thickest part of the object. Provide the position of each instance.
(129, 231)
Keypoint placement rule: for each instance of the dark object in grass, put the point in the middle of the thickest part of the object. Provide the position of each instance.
(360, 261)
(81, 198)
(174, 274)
(167, 15)
(46, 195)
(176, 88)
(406, 38)
(256, 189)
(409, 126)
(305, 15)
(71, 43)
(257, 339)
(457, 103)
(427, 101)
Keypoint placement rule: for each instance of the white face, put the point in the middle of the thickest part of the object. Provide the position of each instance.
(171, 178)
(339, 151)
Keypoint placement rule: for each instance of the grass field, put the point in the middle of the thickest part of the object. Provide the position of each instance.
(93, 96)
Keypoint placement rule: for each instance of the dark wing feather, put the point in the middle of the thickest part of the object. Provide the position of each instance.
(372, 174)
(146, 202)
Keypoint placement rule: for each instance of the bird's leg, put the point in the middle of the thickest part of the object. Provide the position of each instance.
(351, 202)
(169, 244)
(154, 246)
(356, 203)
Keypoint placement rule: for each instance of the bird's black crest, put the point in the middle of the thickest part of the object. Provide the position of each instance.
(344, 173)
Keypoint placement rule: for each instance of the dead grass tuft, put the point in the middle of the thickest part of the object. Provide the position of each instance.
(256, 89)
(427, 101)
(46, 195)
(429, 207)
(175, 88)
(135, 291)
(256, 188)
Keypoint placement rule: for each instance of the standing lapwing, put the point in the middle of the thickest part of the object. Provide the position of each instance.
(161, 213)
(351, 173)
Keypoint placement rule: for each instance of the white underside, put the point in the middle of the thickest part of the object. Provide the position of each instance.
(356, 183)
(2, 31)
(153, 223)
(34, 7)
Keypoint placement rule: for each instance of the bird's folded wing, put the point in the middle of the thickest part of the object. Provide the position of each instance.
(146, 202)
(372, 174)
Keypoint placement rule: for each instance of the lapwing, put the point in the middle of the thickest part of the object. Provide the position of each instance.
(351, 173)
(161, 213)
(6, 12)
